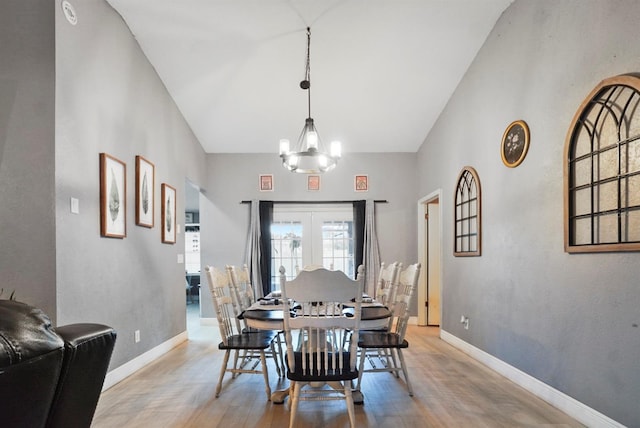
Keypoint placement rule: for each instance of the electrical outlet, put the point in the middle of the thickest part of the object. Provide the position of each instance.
(75, 206)
(464, 320)
(136, 336)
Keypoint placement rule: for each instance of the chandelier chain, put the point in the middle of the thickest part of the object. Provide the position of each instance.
(307, 75)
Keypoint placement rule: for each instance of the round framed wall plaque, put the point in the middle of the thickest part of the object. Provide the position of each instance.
(69, 12)
(515, 143)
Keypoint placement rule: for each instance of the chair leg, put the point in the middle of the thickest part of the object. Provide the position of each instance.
(276, 355)
(265, 373)
(391, 359)
(363, 356)
(280, 341)
(404, 370)
(349, 399)
(293, 402)
(235, 363)
(223, 369)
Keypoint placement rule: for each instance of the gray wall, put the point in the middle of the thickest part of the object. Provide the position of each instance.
(234, 178)
(109, 99)
(27, 86)
(570, 321)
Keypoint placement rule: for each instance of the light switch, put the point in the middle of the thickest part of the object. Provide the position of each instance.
(75, 206)
(180, 258)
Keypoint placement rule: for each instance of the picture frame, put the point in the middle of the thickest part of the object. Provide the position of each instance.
(313, 183)
(168, 217)
(113, 197)
(145, 192)
(266, 182)
(515, 143)
(361, 183)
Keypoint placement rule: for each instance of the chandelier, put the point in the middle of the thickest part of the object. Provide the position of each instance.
(309, 156)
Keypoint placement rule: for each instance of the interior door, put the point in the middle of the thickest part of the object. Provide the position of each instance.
(433, 262)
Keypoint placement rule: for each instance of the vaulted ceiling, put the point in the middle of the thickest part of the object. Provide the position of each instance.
(381, 70)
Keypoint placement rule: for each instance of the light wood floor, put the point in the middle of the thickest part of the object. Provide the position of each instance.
(451, 390)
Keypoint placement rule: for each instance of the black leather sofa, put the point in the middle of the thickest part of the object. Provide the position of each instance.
(50, 377)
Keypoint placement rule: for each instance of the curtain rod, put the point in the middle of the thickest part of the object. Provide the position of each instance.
(377, 201)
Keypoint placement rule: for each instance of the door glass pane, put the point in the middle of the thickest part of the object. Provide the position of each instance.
(337, 246)
(286, 250)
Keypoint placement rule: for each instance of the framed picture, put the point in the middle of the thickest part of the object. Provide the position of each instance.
(313, 182)
(145, 194)
(515, 143)
(361, 183)
(168, 214)
(113, 197)
(266, 182)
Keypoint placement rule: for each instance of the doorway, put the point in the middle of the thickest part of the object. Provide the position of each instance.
(192, 253)
(430, 255)
(310, 234)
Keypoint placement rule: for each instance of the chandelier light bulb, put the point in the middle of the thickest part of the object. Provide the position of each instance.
(336, 149)
(284, 146)
(312, 140)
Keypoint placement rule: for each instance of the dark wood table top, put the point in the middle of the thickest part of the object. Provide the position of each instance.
(369, 313)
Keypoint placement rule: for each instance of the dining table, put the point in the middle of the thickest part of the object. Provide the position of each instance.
(267, 314)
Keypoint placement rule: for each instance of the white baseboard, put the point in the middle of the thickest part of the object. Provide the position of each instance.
(127, 369)
(580, 412)
(208, 321)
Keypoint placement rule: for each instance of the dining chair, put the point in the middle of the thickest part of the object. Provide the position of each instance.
(242, 292)
(321, 363)
(375, 344)
(385, 291)
(233, 338)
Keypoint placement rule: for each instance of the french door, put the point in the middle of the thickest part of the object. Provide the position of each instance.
(304, 235)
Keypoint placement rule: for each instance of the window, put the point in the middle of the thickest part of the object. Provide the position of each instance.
(602, 170)
(303, 235)
(467, 214)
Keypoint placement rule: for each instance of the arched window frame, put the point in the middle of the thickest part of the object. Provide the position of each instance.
(606, 204)
(467, 214)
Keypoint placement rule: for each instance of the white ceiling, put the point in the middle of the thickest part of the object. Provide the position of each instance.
(381, 70)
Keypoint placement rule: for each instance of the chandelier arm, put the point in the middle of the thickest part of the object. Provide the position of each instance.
(300, 144)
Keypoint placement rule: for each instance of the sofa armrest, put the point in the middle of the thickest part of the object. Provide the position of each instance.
(31, 355)
(87, 352)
